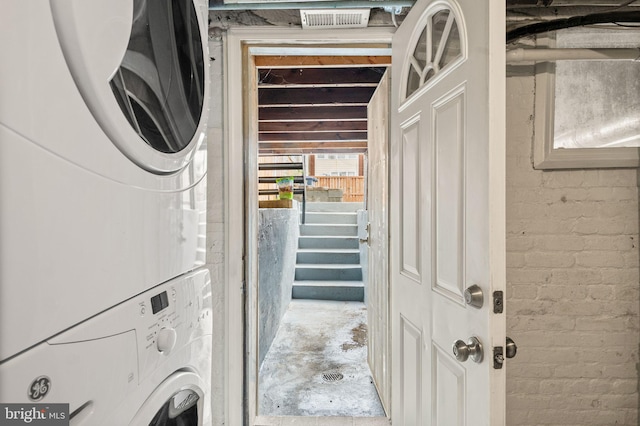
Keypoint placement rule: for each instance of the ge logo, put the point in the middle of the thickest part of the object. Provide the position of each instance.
(39, 388)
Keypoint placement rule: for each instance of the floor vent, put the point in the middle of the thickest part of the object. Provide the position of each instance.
(339, 18)
(332, 377)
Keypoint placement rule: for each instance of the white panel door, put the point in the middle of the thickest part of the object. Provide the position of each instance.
(447, 212)
(378, 253)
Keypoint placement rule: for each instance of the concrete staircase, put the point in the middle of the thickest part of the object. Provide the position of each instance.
(328, 257)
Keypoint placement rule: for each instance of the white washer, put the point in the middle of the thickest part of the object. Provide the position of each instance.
(138, 363)
(102, 157)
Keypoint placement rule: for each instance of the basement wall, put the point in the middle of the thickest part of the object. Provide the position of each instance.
(572, 278)
(278, 232)
(572, 284)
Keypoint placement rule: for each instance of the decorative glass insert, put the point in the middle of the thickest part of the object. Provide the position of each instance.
(438, 46)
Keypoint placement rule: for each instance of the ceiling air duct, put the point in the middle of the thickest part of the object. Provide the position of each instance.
(335, 18)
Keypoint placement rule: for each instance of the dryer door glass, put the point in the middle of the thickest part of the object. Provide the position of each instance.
(180, 410)
(160, 83)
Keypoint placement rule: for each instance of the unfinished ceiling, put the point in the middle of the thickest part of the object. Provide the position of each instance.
(318, 104)
(315, 104)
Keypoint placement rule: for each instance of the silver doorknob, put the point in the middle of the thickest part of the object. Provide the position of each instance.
(472, 349)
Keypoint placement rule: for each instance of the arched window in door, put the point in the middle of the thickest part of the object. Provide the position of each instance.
(438, 49)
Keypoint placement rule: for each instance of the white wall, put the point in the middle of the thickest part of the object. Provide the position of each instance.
(325, 166)
(573, 285)
(215, 229)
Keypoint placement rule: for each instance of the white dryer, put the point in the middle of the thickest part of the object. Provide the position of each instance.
(103, 108)
(140, 363)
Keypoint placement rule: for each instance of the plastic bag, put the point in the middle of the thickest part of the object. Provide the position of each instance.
(285, 188)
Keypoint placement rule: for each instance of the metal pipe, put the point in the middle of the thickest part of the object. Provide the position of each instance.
(574, 21)
(546, 55)
(536, 4)
(283, 5)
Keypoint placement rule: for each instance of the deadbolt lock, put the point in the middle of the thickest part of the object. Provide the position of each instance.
(473, 296)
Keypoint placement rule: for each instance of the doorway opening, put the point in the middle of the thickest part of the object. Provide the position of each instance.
(309, 117)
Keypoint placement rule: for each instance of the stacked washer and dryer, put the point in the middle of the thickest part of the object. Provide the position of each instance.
(104, 301)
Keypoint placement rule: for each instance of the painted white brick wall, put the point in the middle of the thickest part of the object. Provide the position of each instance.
(573, 285)
(215, 228)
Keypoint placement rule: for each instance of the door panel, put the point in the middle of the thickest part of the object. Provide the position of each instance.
(412, 364)
(410, 193)
(449, 384)
(447, 211)
(378, 216)
(448, 139)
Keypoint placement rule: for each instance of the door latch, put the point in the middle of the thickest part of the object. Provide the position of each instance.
(367, 230)
(499, 353)
(498, 302)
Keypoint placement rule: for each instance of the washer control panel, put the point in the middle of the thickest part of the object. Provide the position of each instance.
(172, 315)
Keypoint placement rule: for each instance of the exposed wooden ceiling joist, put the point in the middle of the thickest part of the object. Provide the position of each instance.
(290, 148)
(311, 126)
(315, 151)
(316, 76)
(314, 96)
(312, 113)
(319, 136)
(320, 61)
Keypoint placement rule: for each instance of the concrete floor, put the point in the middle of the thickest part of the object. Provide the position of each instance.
(317, 337)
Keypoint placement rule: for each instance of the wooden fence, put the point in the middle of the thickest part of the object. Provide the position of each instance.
(352, 186)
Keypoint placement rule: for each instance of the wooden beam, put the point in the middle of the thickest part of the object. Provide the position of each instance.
(324, 136)
(312, 145)
(312, 113)
(299, 151)
(315, 76)
(315, 61)
(310, 126)
(311, 96)
(312, 165)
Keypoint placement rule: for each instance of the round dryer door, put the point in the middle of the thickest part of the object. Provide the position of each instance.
(180, 409)
(178, 401)
(141, 70)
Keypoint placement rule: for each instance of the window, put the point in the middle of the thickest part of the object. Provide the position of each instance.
(587, 113)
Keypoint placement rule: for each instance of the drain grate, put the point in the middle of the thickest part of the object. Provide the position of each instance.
(332, 377)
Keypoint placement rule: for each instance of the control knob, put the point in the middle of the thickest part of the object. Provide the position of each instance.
(166, 339)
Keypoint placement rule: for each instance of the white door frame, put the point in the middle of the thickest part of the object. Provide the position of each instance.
(240, 196)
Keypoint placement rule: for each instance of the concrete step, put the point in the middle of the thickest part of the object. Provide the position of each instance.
(333, 230)
(352, 291)
(327, 242)
(328, 256)
(350, 218)
(328, 272)
(333, 207)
